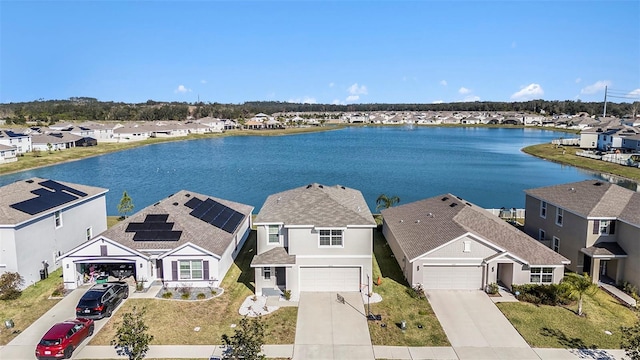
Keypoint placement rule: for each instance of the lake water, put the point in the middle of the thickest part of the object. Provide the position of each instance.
(482, 165)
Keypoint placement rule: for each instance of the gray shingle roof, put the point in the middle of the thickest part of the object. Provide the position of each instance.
(318, 205)
(22, 190)
(275, 256)
(193, 229)
(591, 198)
(605, 249)
(424, 225)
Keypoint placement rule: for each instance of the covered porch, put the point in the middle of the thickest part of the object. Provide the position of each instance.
(271, 270)
(604, 260)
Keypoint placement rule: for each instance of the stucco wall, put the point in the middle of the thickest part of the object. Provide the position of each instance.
(629, 239)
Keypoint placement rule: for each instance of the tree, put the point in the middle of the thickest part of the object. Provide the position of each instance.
(131, 337)
(247, 341)
(580, 285)
(126, 205)
(10, 283)
(385, 202)
(631, 341)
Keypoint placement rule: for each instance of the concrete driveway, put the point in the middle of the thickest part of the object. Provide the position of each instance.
(23, 346)
(330, 330)
(476, 328)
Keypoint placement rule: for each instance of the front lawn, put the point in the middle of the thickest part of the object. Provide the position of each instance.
(559, 327)
(398, 305)
(173, 322)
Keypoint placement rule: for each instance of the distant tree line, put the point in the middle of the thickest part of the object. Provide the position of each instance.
(86, 108)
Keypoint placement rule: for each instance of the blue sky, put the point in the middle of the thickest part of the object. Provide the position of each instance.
(320, 52)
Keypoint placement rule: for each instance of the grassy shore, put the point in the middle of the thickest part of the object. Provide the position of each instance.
(567, 155)
(34, 160)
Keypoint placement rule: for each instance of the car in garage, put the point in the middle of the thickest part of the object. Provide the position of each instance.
(101, 299)
(63, 338)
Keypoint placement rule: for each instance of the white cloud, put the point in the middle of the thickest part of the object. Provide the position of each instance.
(528, 92)
(437, 102)
(463, 90)
(596, 87)
(305, 100)
(578, 80)
(337, 102)
(634, 94)
(331, 84)
(471, 98)
(181, 89)
(203, 81)
(357, 90)
(443, 82)
(352, 98)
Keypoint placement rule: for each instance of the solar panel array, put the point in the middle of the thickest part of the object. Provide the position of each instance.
(51, 195)
(154, 228)
(215, 213)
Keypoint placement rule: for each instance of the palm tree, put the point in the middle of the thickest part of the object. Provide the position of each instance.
(580, 285)
(385, 202)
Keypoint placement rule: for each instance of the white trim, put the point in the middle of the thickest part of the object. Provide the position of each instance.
(268, 223)
(104, 239)
(558, 210)
(362, 226)
(467, 234)
(204, 251)
(298, 226)
(333, 256)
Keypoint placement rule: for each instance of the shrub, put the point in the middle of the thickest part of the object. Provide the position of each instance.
(201, 296)
(492, 288)
(59, 291)
(185, 296)
(185, 290)
(214, 293)
(10, 283)
(287, 295)
(167, 295)
(140, 285)
(551, 294)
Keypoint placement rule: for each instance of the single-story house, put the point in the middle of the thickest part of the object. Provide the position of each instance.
(446, 242)
(186, 239)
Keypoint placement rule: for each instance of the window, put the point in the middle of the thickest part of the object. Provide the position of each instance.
(541, 234)
(559, 216)
(543, 209)
(556, 244)
(604, 227)
(89, 233)
(541, 275)
(330, 237)
(57, 216)
(274, 234)
(266, 273)
(467, 246)
(190, 269)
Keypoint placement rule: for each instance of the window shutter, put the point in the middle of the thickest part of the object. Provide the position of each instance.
(174, 270)
(103, 250)
(596, 226)
(612, 227)
(205, 269)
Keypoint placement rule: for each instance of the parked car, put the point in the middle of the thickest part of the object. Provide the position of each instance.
(101, 299)
(60, 341)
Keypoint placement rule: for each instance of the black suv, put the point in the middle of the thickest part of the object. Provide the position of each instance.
(102, 299)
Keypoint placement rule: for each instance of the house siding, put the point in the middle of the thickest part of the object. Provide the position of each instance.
(356, 241)
(455, 249)
(628, 239)
(400, 256)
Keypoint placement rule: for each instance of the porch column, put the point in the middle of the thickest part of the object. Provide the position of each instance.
(619, 270)
(595, 270)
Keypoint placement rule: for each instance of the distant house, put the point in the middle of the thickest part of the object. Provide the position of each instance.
(54, 141)
(594, 224)
(8, 154)
(186, 239)
(41, 219)
(446, 242)
(19, 140)
(313, 238)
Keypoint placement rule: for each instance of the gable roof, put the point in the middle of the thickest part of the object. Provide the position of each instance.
(425, 225)
(590, 198)
(317, 205)
(175, 211)
(31, 198)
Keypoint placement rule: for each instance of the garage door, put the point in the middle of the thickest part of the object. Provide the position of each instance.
(330, 279)
(452, 277)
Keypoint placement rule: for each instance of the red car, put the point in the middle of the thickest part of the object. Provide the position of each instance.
(60, 341)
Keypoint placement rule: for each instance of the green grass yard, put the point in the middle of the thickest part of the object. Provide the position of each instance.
(559, 327)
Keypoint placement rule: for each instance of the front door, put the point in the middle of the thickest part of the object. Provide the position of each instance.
(159, 269)
(586, 268)
(281, 278)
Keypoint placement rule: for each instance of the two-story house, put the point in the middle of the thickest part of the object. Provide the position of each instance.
(313, 238)
(594, 224)
(41, 219)
(20, 141)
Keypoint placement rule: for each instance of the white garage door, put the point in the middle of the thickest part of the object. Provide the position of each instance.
(452, 277)
(330, 279)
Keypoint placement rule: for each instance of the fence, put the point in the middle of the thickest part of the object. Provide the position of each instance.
(511, 213)
(568, 142)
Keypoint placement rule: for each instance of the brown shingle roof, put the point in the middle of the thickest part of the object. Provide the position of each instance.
(318, 205)
(193, 229)
(588, 198)
(424, 225)
(22, 190)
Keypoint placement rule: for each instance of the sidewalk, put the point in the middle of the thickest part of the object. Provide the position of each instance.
(380, 352)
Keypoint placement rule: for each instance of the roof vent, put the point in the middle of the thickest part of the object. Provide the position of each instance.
(187, 195)
(418, 221)
(29, 181)
(175, 204)
(597, 183)
(430, 215)
(445, 198)
(278, 199)
(310, 185)
(572, 189)
(453, 204)
(468, 203)
(401, 220)
(321, 187)
(343, 188)
(459, 198)
(158, 203)
(359, 210)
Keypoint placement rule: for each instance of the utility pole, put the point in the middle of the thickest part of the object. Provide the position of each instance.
(605, 102)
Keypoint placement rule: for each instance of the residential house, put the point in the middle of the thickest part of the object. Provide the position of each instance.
(8, 154)
(131, 132)
(611, 139)
(41, 219)
(313, 238)
(631, 144)
(446, 242)
(589, 138)
(19, 140)
(187, 239)
(54, 141)
(594, 224)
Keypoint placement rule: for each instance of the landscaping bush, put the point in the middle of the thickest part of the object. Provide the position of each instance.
(492, 288)
(185, 291)
(287, 295)
(551, 294)
(201, 296)
(214, 293)
(10, 283)
(167, 295)
(185, 296)
(58, 292)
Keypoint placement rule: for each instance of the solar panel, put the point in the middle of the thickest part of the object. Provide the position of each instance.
(59, 187)
(209, 216)
(222, 218)
(157, 236)
(156, 218)
(193, 203)
(233, 222)
(46, 200)
(216, 214)
(199, 211)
